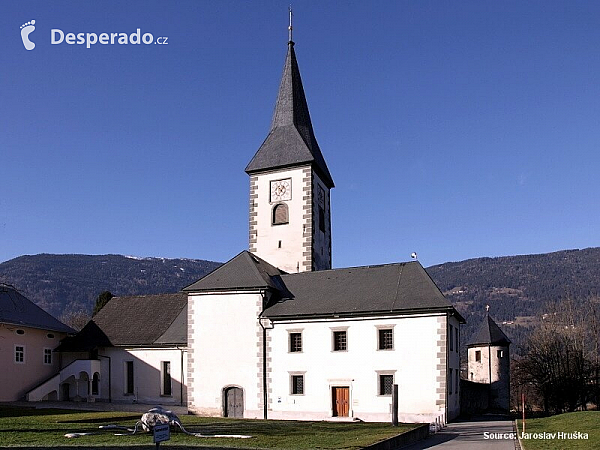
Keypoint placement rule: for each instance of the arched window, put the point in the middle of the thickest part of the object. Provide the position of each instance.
(280, 214)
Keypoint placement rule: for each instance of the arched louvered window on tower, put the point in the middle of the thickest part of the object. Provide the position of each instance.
(280, 214)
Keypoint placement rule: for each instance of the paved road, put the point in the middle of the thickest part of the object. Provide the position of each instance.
(471, 436)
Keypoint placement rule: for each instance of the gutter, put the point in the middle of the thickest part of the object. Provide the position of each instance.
(341, 315)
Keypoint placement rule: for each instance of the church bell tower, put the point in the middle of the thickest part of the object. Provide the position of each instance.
(290, 219)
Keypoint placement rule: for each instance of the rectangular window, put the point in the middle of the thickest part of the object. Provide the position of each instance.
(165, 370)
(386, 339)
(478, 355)
(297, 382)
(386, 384)
(456, 333)
(457, 379)
(20, 354)
(129, 377)
(450, 382)
(451, 333)
(47, 356)
(321, 219)
(340, 342)
(500, 353)
(295, 342)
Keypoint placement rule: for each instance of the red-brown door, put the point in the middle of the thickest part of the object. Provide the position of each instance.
(341, 401)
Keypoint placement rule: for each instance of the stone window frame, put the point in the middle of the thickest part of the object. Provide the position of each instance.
(275, 220)
(381, 328)
(296, 331)
(294, 376)
(335, 332)
(380, 377)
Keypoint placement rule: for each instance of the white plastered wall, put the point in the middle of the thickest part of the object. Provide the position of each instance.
(224, 337)
(413, 362)
(289, 256)
(147, 372)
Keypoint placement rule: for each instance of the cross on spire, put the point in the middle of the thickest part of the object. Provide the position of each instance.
(290, 28)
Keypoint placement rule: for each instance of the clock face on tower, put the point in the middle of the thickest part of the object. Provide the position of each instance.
(281, 190)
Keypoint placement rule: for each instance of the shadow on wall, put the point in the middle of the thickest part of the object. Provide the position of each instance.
(125, 377)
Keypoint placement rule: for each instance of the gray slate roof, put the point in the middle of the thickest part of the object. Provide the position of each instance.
(137, 321)
(16, 309)
(291, 140)
(402, 287)
(244, 271)
(489, 333)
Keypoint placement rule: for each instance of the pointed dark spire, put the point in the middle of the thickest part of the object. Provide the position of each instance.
(291, 140)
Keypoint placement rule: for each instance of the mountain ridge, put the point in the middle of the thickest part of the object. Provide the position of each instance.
(515, 287)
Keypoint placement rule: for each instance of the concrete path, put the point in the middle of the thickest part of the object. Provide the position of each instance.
(471, 435)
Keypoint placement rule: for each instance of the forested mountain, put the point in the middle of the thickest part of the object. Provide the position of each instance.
(64, 283)
(515, 287)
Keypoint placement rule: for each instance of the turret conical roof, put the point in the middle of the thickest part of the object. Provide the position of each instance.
(489, 333)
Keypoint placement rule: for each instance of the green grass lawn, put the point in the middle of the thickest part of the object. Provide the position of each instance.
(584, 422)
(28, 427)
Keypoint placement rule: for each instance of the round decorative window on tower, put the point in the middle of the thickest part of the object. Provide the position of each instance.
(20, 331)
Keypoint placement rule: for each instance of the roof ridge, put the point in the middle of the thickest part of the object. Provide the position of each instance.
(370, 266)
(401, 268)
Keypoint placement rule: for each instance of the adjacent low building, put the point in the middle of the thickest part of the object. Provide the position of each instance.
(28, 339)
(133, 350)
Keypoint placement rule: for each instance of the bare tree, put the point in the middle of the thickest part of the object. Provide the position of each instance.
(76, 319)
(560, 360)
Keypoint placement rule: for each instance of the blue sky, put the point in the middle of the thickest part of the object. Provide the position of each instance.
(453, 129)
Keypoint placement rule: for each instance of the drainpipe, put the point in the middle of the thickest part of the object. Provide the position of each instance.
(447, 368)
(109, 377)
(264, 353)
(181, 378)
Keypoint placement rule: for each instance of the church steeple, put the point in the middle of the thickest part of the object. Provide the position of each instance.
(291, 140)
(290, 220)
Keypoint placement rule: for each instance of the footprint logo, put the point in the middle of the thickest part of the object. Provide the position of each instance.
(26, 30)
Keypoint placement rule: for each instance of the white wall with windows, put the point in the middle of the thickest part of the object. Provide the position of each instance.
(310, 360)
(138, 375)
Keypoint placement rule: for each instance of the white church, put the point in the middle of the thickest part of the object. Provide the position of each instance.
(276, 332)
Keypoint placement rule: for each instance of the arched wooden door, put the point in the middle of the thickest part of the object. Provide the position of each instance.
(234, 402)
